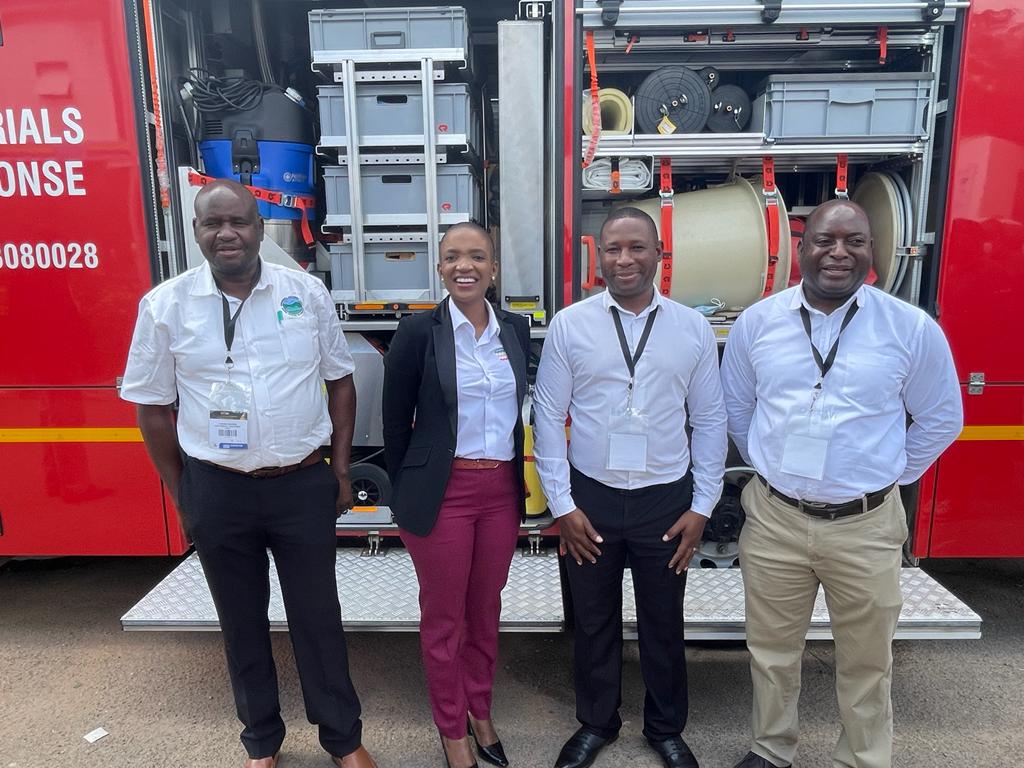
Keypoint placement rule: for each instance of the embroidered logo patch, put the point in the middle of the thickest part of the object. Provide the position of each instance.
(291, 306)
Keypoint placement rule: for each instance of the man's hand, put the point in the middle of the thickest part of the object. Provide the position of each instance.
(345, 501)
(690, 526)
(578, 537)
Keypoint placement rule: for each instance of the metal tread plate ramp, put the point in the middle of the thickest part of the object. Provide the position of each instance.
(380, 594)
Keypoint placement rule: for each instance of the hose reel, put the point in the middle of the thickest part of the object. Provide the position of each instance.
(673, 99)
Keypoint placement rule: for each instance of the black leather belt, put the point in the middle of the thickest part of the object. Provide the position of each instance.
(831, 511)
(265, 472)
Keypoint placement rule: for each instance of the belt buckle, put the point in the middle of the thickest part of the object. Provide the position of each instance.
(818, 506)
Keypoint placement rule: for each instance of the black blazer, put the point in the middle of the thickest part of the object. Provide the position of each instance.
(420, 383)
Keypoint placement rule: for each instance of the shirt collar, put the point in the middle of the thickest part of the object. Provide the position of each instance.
(205, 285)
(459, 320)
(609, 302)
(799, 299)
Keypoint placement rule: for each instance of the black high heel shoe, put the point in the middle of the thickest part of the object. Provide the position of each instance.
(489, 753)
(445, 753)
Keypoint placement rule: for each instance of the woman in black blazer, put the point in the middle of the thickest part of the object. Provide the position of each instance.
(454, 382)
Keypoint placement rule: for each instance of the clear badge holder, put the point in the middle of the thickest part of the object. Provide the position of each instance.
(808, 434)
(627, 441)
(230, 405)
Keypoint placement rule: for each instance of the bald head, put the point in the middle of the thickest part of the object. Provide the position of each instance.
(223, 188)
(827, 209)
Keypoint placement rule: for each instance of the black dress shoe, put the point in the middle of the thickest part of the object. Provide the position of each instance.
(582, 748)
(756, 761)
(489, 753)
(674, 753)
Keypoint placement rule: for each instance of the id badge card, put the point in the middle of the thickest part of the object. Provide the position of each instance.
(808, 434)
(230, 405)
(627, 442)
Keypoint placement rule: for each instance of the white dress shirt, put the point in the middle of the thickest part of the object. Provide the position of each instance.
(583, 373)
(892, 359)
(487, 390)
(284, 355)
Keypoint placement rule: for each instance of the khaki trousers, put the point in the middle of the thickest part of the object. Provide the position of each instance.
(784, 555)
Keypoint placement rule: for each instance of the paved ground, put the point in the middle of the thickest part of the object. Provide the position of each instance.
(67, 668)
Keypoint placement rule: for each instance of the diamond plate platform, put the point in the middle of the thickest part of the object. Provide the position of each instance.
(380, 594)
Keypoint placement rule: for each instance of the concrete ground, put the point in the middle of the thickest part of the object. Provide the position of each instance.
(67, 668)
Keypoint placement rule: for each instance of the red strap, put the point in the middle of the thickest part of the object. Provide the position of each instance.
(304, 203)
(667, 209)
(771, 202)
(595, 104)
(616, 177)
(633, 40)
(841, 177)
(883, 44)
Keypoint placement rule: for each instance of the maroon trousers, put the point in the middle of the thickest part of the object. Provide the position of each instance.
(462, 566)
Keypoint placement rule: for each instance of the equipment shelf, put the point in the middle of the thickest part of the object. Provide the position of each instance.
(743, 151)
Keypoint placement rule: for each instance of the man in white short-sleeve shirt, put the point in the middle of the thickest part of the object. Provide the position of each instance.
(246, 348)
(819, 381)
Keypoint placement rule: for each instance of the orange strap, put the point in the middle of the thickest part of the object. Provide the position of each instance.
(883, 44)
(667, 208)
(841, 177)
(771, 210)
(304, 203)
(595, 105)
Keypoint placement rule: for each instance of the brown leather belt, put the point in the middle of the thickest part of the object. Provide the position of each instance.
(266, 472)
(831, 511)
(460, 463)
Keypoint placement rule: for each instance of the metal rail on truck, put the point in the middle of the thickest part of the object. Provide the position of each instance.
(380, 594)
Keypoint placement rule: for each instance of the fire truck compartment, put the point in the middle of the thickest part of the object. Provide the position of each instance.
(379, 593)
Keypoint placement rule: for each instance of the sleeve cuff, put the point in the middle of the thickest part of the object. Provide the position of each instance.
(701, 507)
(561, 507)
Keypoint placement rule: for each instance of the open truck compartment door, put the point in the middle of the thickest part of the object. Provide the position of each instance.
(419, 116)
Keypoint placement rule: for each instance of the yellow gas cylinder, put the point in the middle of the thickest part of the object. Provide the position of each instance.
(536, 501)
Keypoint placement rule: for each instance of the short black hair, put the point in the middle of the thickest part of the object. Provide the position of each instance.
(468, 225)
(233, 186)
(629, 212)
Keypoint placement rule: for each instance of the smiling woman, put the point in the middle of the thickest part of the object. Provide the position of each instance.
(454, 384)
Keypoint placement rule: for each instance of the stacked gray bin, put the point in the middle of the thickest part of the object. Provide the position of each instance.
(393, 192)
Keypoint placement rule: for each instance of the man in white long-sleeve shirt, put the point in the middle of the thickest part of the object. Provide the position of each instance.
(818, 382)
(626, 366)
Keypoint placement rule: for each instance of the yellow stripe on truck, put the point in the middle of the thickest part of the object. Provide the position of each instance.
(1000, 432)
(71, 435)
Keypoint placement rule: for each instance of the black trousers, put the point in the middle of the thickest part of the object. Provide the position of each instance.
(631, 524)
(233, 520)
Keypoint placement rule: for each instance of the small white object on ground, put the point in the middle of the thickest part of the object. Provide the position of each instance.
(93, 736)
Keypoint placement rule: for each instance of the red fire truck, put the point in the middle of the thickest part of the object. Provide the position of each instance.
(103, 134)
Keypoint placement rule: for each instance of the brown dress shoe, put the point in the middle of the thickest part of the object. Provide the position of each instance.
(358, 759)
(262, 762)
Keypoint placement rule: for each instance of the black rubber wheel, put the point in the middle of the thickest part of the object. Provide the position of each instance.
(677, 93)
(371, 486)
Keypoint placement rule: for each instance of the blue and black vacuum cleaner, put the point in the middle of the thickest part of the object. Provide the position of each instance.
(261, 136)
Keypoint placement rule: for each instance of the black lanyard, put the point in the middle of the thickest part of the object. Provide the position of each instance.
(229, 319)
(631, 360)
(824, 366)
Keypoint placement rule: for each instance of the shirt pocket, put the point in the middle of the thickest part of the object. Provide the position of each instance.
(874, 381)
(299, 340)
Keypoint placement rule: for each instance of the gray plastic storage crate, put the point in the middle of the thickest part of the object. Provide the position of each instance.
(392, 115)
(889, 105)
(364, 29)
(391, 272)
(396, 195)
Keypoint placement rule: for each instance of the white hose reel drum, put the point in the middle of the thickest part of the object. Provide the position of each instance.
(720, 244)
